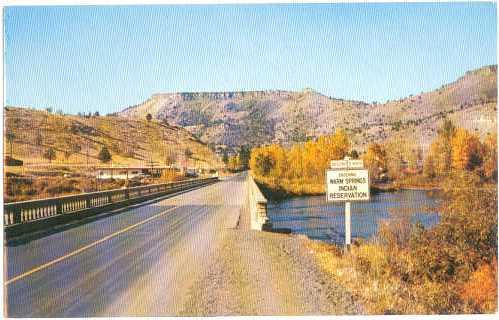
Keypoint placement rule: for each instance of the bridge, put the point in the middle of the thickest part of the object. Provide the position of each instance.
(178, 249)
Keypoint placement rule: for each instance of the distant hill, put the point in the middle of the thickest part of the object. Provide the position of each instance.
(130, 141)
(232, 119)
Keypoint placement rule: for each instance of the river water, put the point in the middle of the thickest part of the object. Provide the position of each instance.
(318, 219)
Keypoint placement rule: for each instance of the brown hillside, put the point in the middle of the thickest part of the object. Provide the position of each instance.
(130, 141)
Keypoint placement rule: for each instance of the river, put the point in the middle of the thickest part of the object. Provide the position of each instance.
(318, 219)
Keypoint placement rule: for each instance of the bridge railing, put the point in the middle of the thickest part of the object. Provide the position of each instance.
(26, 212)
(257, 206)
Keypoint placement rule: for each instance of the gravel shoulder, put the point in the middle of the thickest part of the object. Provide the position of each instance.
(264, 273)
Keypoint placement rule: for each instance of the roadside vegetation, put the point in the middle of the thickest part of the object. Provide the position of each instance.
(28, 188)
(40, 185)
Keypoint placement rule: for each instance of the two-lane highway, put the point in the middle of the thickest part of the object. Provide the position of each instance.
(142, 261)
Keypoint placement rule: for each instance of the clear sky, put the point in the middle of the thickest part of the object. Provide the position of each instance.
(107, 58)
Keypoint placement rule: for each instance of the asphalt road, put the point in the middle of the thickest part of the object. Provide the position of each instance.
(142, 261)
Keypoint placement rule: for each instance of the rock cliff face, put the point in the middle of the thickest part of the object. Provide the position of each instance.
(233, 119)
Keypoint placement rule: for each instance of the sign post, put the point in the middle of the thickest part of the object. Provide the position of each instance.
(348, 223)
(347, 181)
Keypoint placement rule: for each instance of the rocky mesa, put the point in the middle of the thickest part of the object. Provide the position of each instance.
(232, 119)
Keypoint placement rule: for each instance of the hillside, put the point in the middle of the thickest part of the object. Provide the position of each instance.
(130, 141)
(232, 119)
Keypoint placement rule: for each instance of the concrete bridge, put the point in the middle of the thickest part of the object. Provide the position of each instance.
(187, 250)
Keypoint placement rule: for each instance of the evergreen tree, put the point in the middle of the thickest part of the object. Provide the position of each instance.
(50, 154)
(10, 138)
(225, 157)
(104, 155)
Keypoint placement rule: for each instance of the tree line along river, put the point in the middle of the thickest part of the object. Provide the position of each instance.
(318, 219)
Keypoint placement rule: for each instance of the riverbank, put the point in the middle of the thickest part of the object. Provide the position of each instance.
(365, 273)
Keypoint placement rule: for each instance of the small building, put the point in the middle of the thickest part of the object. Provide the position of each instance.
(126, 173)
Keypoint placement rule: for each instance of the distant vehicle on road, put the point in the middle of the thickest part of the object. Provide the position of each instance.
(191, 173)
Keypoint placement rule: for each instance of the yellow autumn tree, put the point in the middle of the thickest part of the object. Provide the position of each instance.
(338, 145)
(278, 155)
(375, 160)
(295, 162)
(429, 167)
(318, 154)
(481, 289)
(490, 157)
(397, 151)
(233, 163)
(441, 149)
(310, 156)
(261, 162)
(466, 150)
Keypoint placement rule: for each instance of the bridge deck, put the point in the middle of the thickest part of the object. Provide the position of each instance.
(101, 268)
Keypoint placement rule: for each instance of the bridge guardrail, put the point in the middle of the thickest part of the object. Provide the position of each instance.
(34, 212)
(257, 206)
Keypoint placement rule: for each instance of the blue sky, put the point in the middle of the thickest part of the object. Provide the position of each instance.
(107, 58)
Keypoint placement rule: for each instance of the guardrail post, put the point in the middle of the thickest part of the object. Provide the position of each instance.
(17, 214)
(87, 202)
(58, 207)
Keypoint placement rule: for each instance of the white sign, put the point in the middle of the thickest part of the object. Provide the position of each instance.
(347, 185)
(347, 164)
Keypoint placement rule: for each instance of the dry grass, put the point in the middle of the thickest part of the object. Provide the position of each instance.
(371, 273)
(364, 271)
(20, 189)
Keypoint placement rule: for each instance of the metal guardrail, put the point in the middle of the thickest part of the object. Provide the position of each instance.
(26, 212)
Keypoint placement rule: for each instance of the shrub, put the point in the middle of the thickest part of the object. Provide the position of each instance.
(9, 161)
(60, 186)
(480, 291)
(50, 154)
(104, 155)
(395, 231)
(171, 175)
(466, 236)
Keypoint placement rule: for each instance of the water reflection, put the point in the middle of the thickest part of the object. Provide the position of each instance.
(318, 219)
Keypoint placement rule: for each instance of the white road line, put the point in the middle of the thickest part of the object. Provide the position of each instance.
(88, 246)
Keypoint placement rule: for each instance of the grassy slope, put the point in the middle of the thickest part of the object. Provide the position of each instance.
(131, 142)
